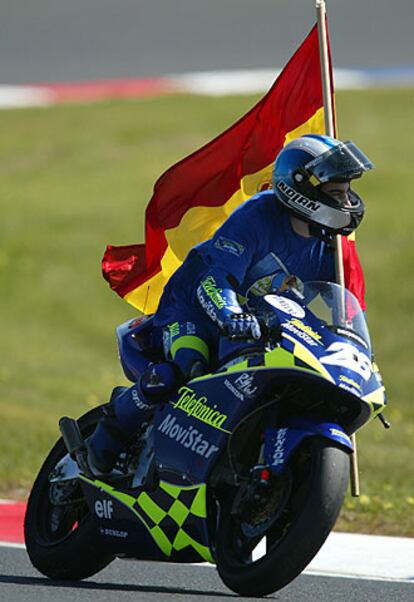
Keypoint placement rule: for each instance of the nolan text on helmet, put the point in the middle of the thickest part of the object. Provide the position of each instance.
(293, 197)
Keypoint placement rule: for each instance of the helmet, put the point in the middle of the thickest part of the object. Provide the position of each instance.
(304, 165)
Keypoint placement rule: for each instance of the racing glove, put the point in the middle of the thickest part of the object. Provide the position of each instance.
(219, 301)
(242, 326)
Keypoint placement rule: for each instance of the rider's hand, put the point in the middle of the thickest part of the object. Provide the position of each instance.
(242, 326)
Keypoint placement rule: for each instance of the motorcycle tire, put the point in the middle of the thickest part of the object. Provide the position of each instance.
(63, 541)
(319, 473)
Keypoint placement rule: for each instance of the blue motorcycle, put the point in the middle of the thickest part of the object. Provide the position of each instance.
(245, 467)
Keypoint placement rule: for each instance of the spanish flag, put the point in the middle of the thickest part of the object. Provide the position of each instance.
(195, 196)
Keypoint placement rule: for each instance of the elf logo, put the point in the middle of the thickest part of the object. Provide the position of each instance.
(104, 508)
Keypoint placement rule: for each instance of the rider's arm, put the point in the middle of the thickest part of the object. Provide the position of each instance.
(233, 247)
(229, 255)
(219, 301)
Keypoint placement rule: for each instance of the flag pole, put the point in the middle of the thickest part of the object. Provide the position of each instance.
(330, 131)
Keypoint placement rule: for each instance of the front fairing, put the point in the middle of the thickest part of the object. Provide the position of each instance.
(319, 367)
(325, 329)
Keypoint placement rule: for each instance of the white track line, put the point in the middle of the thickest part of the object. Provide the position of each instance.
(353, 556)
(210, 83)
(378, 556)
(23, 97)
(7, 544)
(328, 574)
(369, 557)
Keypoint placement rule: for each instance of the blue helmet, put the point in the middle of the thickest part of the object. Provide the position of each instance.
(304, 165)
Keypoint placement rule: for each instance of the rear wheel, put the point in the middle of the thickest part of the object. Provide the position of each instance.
(290, 523)
(61, 536)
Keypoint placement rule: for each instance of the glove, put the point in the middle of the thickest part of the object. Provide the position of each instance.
(241, 327)
(219, 301)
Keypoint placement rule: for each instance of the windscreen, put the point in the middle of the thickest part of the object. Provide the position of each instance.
(338, 308)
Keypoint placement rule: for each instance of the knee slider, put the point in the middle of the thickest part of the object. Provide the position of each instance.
(191, 362)
(198, 368)
(160, 380)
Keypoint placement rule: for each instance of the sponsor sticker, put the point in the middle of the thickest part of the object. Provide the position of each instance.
(304, 332)
(306, 328)
(278, 456)
(114, 533)
(230, 246)
(242, 386)
(292, 197)
(173, 329)
(339, 433)
(346, 387)
(286, 305)
(261, 287)
(213, 292)
(350, 381)
(245, 383)
(190, 328)
(190, 437)
(199, 408)
(230, 386)
(104, 508)
(141, 405)
(352, 335)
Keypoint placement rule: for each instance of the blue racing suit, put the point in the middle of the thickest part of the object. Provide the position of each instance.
(246, 255)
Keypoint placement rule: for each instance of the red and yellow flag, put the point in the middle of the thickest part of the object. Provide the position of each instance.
(195, 196)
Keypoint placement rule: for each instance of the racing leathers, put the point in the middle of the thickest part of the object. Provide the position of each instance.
(250, 255)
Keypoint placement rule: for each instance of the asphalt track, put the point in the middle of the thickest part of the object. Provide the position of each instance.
(57, 40)
(145, 581)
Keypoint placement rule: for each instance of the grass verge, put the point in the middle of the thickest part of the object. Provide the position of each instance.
(75, 178)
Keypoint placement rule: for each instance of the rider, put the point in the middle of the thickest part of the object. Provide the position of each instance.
(276, 233)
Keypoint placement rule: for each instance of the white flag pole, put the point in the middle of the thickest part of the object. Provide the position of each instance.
(330, 131)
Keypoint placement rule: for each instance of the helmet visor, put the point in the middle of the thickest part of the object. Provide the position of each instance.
(342, 162)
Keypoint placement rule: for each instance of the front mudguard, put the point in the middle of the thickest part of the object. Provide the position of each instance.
(280, 443)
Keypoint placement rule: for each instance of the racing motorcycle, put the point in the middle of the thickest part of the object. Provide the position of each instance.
(245, 467)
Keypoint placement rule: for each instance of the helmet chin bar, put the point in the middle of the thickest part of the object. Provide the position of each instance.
(322, 211)
(336, 220)
(327, 231)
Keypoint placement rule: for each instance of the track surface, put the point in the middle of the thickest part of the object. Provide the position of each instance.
(147, 582)
(56, 40)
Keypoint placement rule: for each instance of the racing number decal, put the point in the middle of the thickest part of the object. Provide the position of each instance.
(342, 354)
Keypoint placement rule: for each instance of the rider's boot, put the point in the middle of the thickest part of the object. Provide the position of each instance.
(128, 409)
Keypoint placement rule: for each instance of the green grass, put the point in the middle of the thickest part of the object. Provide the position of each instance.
(75, 178)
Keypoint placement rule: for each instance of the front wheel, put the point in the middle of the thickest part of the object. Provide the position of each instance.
(60, 534)
(292, 523)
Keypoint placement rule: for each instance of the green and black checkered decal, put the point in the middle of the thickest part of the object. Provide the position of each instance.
(174, 516)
